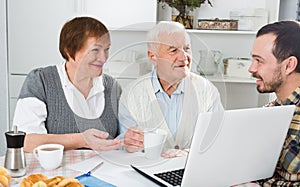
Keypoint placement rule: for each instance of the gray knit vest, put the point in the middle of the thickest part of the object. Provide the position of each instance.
(45, 84)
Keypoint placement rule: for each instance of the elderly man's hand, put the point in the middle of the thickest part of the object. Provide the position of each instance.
(172, 153)
(134, 139)
(249, 184)
(97, 140)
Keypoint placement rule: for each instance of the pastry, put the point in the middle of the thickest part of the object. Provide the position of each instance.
(4, 177)
(32, 179)
(40, 180)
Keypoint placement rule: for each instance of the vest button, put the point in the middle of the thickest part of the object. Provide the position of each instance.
(176, 147)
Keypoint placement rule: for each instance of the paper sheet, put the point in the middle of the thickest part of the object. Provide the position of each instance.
(116, 168)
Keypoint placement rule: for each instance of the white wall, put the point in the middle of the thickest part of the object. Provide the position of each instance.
(3, 78)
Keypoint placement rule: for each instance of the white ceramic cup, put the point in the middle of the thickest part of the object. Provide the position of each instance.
(153, 142)
(49, 155)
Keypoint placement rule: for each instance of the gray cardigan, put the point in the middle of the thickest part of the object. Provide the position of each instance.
(45, 84)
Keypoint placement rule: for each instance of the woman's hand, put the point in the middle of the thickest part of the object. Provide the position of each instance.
(97, 140)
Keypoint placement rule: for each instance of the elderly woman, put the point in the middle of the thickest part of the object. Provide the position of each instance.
(73, 104)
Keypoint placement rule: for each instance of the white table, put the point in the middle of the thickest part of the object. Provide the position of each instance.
(115, 169)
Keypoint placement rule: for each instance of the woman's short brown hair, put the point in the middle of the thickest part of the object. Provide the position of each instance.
(75, 33)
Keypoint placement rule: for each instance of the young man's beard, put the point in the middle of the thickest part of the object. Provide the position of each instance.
(270, 87)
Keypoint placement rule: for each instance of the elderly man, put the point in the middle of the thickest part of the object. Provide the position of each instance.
(276, 66)
(170, 97)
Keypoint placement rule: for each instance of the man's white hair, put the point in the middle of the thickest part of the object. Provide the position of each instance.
(168, 27)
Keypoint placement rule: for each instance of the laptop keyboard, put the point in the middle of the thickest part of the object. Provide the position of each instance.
(172, 177)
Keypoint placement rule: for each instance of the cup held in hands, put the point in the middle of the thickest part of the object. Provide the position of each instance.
(154, 142)
(49, 155)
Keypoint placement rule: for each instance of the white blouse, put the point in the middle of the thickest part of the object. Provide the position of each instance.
(31, 113)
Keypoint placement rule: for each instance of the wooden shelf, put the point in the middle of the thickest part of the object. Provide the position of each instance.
(228, 79)
(195, 31)
(221, 32)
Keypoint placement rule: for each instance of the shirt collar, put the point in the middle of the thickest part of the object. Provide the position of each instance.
(157, 86)
(293, 99)
(97, 81)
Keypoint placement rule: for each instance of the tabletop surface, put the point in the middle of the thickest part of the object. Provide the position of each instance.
(115, 169)
(70, 157)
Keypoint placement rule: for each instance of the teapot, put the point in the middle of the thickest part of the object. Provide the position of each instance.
(209, 62)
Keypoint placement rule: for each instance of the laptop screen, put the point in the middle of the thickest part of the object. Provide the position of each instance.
(231, 147)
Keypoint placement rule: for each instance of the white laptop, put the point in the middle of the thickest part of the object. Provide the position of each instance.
(229, 148)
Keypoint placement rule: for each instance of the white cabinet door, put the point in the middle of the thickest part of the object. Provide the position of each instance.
(33, 37)
(120, 14)
(34, 25)
(288, 10)
(33, 32)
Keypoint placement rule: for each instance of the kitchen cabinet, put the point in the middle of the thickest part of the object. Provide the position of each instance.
(239, 92)
(235, 92)
(221, 9)
(33, 28)
(33, 32)
(33, 35)
(230, 43)
(289, 10)
(116, 14)
(3, 79)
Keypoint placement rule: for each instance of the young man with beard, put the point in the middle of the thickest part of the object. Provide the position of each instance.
(276, 66)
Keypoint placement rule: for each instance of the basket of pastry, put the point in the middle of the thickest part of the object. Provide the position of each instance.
(4, 177)
(40, 180)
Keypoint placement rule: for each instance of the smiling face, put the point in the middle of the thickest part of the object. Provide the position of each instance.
(265, 67)
(91, 57)
(172, 58)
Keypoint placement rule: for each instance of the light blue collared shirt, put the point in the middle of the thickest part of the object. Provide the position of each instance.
(171, 107)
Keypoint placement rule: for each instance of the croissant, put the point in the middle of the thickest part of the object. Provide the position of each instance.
(40, 180)
(4, 177)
